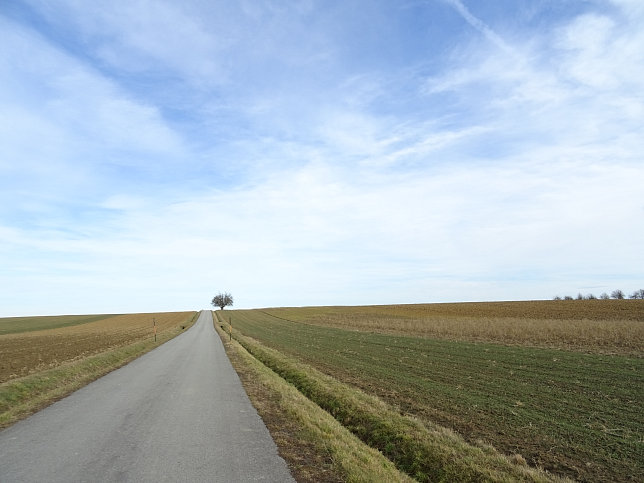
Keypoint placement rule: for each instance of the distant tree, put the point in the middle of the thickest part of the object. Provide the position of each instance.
(604, 296)
(638, 294)
(567, 297)
(590, 297)
(580, 296)
(617, 294)
(222, 300)
(557, 297)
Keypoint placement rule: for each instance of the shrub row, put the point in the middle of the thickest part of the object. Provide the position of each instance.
(615, 294)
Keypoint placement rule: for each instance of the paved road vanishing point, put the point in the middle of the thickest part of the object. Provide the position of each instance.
(178, 413)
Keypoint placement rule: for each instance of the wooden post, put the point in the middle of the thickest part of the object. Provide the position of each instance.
(230, 327)
(154, 324)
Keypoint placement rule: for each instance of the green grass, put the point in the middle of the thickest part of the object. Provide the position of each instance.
(426, 452)
(13, 325)
(575, 414)
(350, 458)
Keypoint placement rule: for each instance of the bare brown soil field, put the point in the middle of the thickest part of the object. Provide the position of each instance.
(25, 353)
(599, 326)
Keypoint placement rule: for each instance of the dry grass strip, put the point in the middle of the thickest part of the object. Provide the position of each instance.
(316, 446)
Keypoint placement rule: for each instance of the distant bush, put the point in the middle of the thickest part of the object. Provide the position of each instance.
(638, 294)
(615, 294)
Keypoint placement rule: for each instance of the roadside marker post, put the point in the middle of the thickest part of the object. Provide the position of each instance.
(230, 328)
(154, 325)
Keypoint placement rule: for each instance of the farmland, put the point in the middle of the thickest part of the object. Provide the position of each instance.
(597, 326)
(67, 340)
(44, 358)
(12, 325)
(557, 387)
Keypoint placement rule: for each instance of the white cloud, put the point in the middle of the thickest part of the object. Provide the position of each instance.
(479, 25)
(353, 133)
(575, 88)
(140, 35)
(314, 236)
(516, 173)
(64, 123)
(603, 55)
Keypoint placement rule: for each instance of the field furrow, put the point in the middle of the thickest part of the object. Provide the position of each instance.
(574, 413)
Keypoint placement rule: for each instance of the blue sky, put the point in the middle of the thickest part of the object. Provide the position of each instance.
(313, 152)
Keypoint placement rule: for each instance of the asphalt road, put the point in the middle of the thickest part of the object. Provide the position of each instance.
(178, 413)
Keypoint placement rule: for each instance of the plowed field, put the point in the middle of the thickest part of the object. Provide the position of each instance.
(73, 338)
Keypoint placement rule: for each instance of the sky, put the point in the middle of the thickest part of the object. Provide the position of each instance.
(318, 152)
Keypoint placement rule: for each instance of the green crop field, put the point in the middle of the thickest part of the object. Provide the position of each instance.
(574, 413)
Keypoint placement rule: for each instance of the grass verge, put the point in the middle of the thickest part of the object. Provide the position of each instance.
(316, 446)
(19, 398)
(427, 453)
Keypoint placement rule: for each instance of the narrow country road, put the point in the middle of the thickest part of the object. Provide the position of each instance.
(178, 413)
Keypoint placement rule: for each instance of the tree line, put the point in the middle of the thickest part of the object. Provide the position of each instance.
(615, 294)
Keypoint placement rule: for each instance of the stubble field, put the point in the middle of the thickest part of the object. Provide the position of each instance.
(558, 384)
(598, 326)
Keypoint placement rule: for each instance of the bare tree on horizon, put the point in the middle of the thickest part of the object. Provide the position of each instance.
(222, 300)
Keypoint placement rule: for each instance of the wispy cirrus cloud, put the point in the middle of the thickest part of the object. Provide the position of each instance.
(425, 152)
(570, 86)
(479, 25)
(67, 129)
